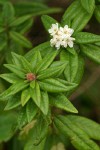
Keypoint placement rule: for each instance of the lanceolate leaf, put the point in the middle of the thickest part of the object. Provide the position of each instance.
(91, 51)
(51, 72)
(61, 101)
(31, 110)
(79, 138)
(90, 127)
(72, 67)
(54, 86)
(8, 13)
(40, 131)
(85, 37)
(10, 77)
(35, 94)
(25, 96)
(76, 16)
(20, 39)
(22, 118)
(88, 5)
(13, 89)
(48, 21)
(47, 60)
(44, 106)
(13, 102)
(15, 69)
(20, 20)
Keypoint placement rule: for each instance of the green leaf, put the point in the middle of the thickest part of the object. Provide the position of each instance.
(21, 62)
(79, 138)
(7, 126)
(44, 48)
(22, 117)
(40, 130)
(8, 12)
(10, 77)
(32, 84)
(35, 59)
(88, 5)
(34, 8)
(13, 102)
(44, 106)
(51, 72)
(97, 12)
(13, 89)
(31, 110)
(20, 39)
(91, 51)
(72, 67)
(25, 96)
(54, 86)
(1, 29)
(76, 17)
(35, 94)
(46, 62)
(61, 101)
(20, 20)
(16, 70)
(90, 127)
(48, 21)
(71, 50)
(85, 38)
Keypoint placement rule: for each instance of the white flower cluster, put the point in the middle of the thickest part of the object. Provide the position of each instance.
(61, 36)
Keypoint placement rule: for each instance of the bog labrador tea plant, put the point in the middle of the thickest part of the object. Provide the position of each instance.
(35, 85)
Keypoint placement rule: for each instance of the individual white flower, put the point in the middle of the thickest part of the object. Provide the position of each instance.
(54, 29)
(70, 42)
(68, 30)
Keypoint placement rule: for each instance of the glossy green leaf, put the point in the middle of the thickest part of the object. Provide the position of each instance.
(31, 110)
(21, 62)
(91, 51)
(13, 102)
(16, 70)
(85, 37)
(25, 96)
(97, 12)
(44, 106)
(72, 67)
(22, 118)
(13, 89)
(90, 127)
(32, 84)
(20, 39)
(20, 20)
(35, 94)
(10, 77)
(8, 12)
(61, 101)
(44, 48)
(79, 138)
(71, 50)
(35, 59)
(76, 16)
(52, 71)
(88, 5)
(48, 21)
(53, 85)
(46, 62)
(40, 131)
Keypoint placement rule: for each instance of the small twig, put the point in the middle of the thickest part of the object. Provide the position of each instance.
(87, 84)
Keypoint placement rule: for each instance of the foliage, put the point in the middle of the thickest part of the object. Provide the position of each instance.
(38, 84)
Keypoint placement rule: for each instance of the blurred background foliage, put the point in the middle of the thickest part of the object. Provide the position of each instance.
(87, 97)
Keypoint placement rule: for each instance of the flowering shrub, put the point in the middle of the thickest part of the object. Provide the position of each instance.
(38, 84)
